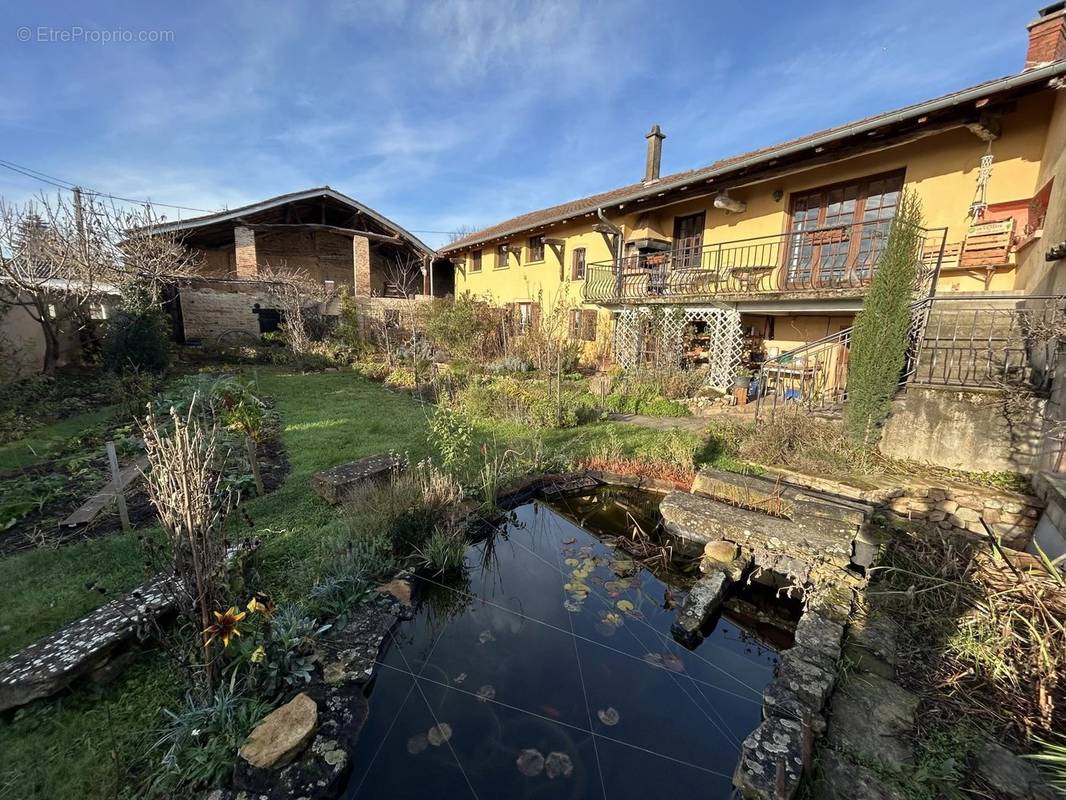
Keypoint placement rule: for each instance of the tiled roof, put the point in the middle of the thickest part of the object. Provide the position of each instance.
(585, 205)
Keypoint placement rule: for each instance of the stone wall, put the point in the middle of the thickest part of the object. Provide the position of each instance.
(965, 430)
(963, 509)
(950, 505)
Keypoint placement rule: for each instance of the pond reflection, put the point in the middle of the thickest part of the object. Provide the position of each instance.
(549, 671)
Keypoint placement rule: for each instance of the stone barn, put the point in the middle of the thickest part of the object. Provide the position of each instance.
(326, 235)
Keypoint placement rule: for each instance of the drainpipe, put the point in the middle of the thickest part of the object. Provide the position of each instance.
(614, 229)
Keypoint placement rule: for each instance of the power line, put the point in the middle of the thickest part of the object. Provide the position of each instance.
(61, 183)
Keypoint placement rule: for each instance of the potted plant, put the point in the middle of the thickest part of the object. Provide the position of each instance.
(742, 378)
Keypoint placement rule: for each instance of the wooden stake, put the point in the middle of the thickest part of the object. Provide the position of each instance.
(259, 490)
(116, 485)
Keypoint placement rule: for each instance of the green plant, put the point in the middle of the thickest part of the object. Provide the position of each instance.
(452, 436)
(879, 340)
(137, 340)
(466, 326)
(1051, 758)
(200, 741)
(402, 378)
(444, 552)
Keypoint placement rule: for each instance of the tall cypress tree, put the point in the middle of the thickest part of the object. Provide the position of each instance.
(879, 339)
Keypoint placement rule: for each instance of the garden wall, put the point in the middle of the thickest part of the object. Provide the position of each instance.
(965, 430)
(952, 506)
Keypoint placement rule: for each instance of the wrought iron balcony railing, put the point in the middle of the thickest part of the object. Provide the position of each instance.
(842, 257)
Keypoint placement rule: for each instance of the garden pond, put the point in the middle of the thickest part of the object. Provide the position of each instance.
(548, 670)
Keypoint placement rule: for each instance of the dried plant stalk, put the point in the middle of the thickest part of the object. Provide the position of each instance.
(185, 486)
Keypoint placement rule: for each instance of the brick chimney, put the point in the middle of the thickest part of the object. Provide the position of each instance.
(655, 154)
(1047, 36)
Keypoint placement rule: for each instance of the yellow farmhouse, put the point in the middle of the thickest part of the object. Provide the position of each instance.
(758, 254)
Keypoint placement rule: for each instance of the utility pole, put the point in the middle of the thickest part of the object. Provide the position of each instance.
(79, 222)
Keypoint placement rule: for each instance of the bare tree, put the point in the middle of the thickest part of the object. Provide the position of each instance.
(298, 296)
(48, 266)
(461, 232)
(404, 275)
(59, 256)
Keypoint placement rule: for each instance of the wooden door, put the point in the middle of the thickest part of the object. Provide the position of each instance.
(688, 240)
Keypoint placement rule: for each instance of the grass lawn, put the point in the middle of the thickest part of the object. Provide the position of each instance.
(82, 744)
(41, 443)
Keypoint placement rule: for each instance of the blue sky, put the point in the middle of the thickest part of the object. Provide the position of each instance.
(450, 114)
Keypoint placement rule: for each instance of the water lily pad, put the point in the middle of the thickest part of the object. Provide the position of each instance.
(608, 716)
(573, 606)
(611, 618)
(486, 693)
(625, 606)
(486, 636)
(604, 629)
(571, 562)
(439, 734)
(665, 660)
(530, 763)
(569, 540)
(558, 764)
(459, 678)
(417, 743)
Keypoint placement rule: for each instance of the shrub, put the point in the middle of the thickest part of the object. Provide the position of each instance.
(533, 402)
(879, 340)
(404, 509)
(452, 436)
(347, 330)
(467, 327)
(138, 340)
(402, 378)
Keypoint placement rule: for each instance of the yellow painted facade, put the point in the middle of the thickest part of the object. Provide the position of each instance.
(941, 169)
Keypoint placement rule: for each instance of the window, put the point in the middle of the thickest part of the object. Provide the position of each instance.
(688, 240)
(524, 322)
(577, 269)
(501, 257)
(536, 249)
(475, 261)
(837, 232)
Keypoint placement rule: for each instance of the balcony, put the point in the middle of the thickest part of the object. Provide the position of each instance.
(833, 261)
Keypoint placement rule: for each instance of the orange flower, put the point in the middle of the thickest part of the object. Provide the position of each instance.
(261, 604)
(225, 626)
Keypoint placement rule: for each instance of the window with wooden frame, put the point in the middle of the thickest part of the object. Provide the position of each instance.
(583, 324)
(577, 264)
(536, 249)
(501, 256)
(688, 240)
(837, 232)
(475, 261)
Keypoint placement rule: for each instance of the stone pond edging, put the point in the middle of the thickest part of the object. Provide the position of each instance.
(953, 506)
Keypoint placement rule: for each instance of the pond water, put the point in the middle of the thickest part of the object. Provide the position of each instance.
(549, 671)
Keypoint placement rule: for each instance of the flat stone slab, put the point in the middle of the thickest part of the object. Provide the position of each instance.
(360, 644)
(840, 779)
(775, 496)
(772, 760)
(334, 484)
(873, 719)
(700, 603)
(1011, 776)
(57, 660)
(86, 646)
(787, 546)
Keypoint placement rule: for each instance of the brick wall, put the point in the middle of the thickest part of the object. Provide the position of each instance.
(208, 313)
(245, 252)
(322, 255)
